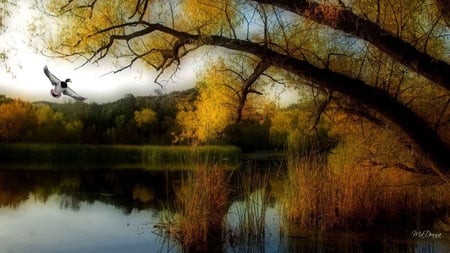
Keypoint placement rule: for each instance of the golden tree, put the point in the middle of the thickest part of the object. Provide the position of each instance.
(207, 117)
(386, 61)
(17, 120)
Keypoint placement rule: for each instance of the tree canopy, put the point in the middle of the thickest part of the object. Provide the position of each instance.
(384, 60)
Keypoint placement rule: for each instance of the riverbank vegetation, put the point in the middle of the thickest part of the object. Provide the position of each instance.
(338, 193)
(79, 156)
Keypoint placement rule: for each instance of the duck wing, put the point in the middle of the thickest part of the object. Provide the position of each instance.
(53, 79)
(69, 92)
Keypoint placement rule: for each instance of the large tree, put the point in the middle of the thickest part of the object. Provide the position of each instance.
(387, 59)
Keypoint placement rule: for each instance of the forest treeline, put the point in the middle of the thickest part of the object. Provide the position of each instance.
(129, 120)
(158, 120)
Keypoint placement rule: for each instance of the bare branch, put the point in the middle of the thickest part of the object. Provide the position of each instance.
(65, 8)
(235, 91)
(283, 30)
(239, 75)
(321, 110)
(227, 15)
(138, 9)
(273, 79)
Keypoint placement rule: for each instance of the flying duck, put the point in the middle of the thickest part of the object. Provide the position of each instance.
(61, 87)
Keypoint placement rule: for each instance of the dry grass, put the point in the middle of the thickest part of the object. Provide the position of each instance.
(201, 204)
(302, 192)
(318, 194)
(249, 214)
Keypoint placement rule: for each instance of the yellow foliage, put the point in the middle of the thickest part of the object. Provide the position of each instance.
(44, 114)
(46, 117)
(93, 25)
(15, 116)
(144, 117)
(410, 20)
(365, 144)
(208, 16)
(217, 103)
(74, 127)
(207, 117)
(88, 22)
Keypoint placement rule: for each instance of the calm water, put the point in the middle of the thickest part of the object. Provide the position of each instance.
(55, 226)
(115, 211)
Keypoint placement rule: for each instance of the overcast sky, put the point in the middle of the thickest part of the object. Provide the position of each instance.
(27, 81)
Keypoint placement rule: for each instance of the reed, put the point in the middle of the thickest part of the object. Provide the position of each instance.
(201, 205)
(324, 195)
(247, 217)
(302, 191)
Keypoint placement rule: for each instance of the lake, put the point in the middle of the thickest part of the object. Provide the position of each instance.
(118, 210)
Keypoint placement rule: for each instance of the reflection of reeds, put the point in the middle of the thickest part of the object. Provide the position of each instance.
(320, 195)
(201, 203)
(249, 214)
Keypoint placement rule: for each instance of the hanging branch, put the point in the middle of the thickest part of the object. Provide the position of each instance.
(247, 86)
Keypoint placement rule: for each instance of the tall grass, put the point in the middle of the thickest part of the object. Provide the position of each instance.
(201, 204)
(247, 217)
(324, 195)
(302, 197)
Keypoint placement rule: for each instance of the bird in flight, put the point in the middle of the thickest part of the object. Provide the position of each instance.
(61, 87)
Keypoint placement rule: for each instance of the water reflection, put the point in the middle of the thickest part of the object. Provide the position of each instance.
(116, 211)
(365, 242)
(125, 189)
(37, 226)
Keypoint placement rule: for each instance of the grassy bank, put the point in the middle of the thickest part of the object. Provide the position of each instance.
(48, 156)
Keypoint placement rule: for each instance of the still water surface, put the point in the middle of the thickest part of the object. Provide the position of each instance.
(50, 226)
(116, 210)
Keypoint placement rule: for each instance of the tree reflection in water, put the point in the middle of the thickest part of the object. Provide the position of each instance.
(127, 189)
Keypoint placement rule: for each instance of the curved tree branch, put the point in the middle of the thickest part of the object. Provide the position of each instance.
(343, 19)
